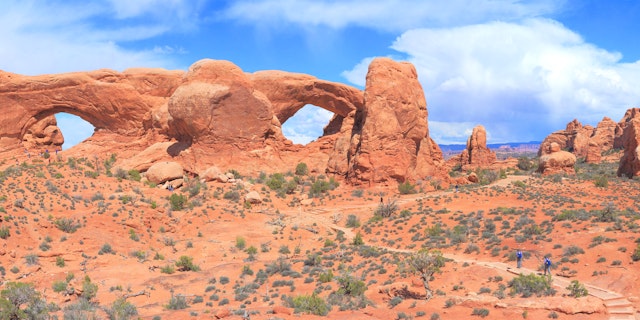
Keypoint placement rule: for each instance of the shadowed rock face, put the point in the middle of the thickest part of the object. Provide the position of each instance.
(630, 161)
(215, 114)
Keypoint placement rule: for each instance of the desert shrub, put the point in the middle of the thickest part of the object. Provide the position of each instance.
(275, 181)
(81, 309)
(357, 240)
(4, 233)
(89, 289)
(67, 225)
(59, 286)
(185, 263)
(601, 181)
(481, 312)
(168, 269)
(528, 285)
(240, 242)
(386, 210)
(281, 266)
(106, 248)
(406, 188)
(302, 169)
(350, 285)
(326, 276)
(636, 254)
(308, 304)
(134, 175)
(21, 301)
(232, 196)
(353, 221)
(321, 185)
(121, 309)
(177, 201)
(525, 164)
(357, 193)
(572, 251)
(577, 289)
(31, 259)
(177, 302)
(486, 176)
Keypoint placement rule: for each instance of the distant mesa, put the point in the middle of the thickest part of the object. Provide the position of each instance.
(214, 114)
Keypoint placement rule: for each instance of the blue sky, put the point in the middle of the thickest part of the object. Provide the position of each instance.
(523, 69)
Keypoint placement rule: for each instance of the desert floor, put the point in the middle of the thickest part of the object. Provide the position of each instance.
(69, 227)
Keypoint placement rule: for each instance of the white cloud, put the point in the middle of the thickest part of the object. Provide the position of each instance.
(58, 36)
(387, 15)
(307, 124)
(521, 80)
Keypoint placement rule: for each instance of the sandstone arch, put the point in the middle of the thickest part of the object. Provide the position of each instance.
(289, 92)
(122, 103)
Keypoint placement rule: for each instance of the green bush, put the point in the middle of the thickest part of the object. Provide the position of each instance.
(406, 188)
(528, 285)
(240, 242)
(321, 185)
(276, 181)
(4, 233)
(351, 286)
(353, 221)
(21, 301)
(121, 309)
(89, 289)
(309, 304)
(636, 254)
(177, 302)
(134, 175)
(59, 286)
(601, 181)
(186, 264)
(577, 289)
(525, 164)
(67, 225)
(177, 201)
(302, 169)
(481, 312)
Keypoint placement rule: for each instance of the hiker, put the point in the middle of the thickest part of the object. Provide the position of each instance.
(519, 258)
(547, 266)
(456, 188)
(381, 200)
(170, 187)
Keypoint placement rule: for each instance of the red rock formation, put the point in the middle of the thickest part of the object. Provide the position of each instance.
(43, 134)
(630, 161)
(585, 141)
(477, 154)
(556, 161)
(390, 137)
(215, 114)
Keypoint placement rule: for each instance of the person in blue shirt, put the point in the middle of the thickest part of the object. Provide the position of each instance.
(547, 266)
(519, 258)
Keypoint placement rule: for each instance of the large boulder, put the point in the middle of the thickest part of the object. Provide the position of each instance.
(556, 161)
(164, 171)
(216, 104)
(390, 138)
(43, 134)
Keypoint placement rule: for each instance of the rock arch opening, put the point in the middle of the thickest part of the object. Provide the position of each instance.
(73, 128)
(307, 124)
